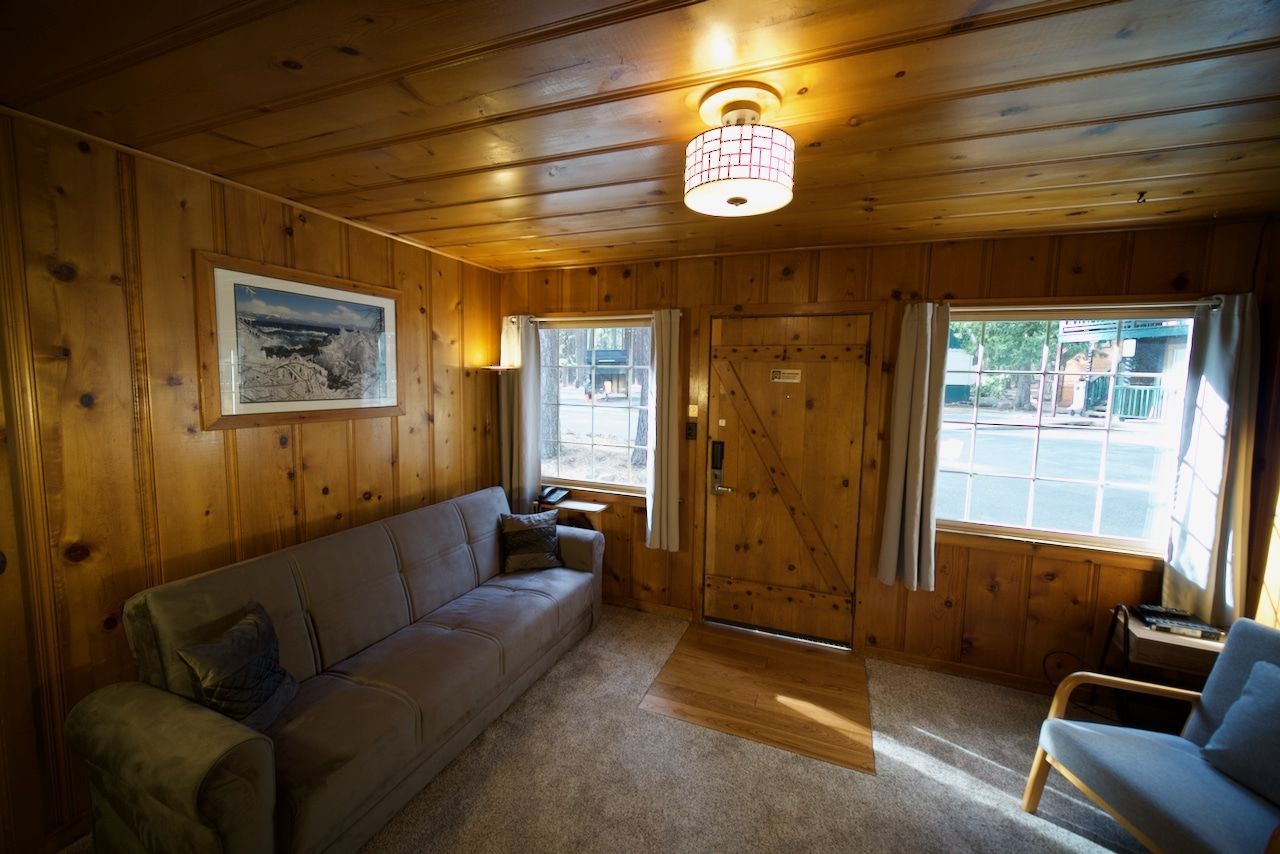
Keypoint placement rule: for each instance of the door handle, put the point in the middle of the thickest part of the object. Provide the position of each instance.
(717, 470)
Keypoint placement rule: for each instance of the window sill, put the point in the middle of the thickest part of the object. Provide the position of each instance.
(596, 488)
(1048, 538)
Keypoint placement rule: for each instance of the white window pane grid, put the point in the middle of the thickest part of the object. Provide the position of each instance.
(594, 395)
(1028, 433)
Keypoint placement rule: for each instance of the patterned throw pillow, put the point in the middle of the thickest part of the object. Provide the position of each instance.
(530, 542)
(239, 674)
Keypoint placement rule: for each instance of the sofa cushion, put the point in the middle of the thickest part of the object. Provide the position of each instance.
(1246, 747)
(569, 589)
(435, 557)
(352, 586)
(480, 512)
(198, 609)
(239, 674)
(1160, 783)
(447, 674)
(523, 623)
(339, 747)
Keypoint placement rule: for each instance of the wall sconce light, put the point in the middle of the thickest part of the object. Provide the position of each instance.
(741, 167)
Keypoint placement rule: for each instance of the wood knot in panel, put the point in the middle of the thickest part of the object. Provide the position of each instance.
(63, 271)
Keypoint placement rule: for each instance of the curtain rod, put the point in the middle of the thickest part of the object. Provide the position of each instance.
(594, 319)
(1213, 302)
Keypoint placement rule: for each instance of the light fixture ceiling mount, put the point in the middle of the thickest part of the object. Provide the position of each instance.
(740, 167)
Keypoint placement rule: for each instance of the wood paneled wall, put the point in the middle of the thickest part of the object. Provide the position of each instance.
(109, 485)
(1004, 609)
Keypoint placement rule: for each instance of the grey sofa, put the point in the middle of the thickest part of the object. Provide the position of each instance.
(407, 642)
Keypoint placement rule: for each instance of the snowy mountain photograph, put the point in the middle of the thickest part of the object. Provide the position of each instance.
(295, 347)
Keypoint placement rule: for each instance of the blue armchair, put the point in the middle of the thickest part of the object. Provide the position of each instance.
(1212, 788)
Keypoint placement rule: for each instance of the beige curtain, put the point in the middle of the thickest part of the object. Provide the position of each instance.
(906, 543)
(1207, 558)
(519, 413)
(663, 491)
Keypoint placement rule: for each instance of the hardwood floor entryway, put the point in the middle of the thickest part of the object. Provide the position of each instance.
(788, 694)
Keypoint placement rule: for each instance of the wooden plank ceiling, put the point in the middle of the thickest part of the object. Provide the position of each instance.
(519, 134)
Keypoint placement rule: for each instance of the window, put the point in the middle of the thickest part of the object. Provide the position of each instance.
(596, 402)
(1063, 424)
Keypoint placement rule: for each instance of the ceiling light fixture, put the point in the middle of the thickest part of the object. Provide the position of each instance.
(741, 167)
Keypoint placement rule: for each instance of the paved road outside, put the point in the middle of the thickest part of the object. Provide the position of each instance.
(1134, 465)
(612, 422)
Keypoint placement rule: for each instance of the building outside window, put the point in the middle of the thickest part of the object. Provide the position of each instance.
(1066, 424)
(595, 403)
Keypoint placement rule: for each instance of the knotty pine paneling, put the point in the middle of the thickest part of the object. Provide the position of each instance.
(1264, 542)
(117, 487)
(411, 275)
(197, 531)
(1059, 617)
(1002, 609)
(914, 120)
(446, 380)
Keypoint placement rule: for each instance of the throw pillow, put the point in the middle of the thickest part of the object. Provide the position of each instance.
(1246, 746)
(530, 541)
(239, 674)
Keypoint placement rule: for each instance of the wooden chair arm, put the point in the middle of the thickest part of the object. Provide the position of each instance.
(1075, 680)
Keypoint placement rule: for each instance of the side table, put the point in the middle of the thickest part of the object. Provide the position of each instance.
(590, 510)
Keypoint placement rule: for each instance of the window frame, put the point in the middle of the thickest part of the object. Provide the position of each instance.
(609, 321)
(1057, 312)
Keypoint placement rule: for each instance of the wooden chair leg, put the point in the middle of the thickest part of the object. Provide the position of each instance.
(1035, 781)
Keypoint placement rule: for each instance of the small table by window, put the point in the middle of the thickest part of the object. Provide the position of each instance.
(1141, 645)
(590, 510)
(1181, 660)
(1146, 646)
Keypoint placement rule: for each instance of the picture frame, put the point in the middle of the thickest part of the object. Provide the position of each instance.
(284, 346)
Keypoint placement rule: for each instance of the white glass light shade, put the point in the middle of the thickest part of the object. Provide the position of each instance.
(739, 170)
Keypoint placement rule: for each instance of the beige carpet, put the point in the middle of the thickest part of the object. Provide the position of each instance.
(797, 696)
(576, 765)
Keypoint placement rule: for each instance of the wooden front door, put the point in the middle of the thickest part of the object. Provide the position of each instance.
(788, 398)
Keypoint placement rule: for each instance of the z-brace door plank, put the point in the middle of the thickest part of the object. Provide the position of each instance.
(786, 487)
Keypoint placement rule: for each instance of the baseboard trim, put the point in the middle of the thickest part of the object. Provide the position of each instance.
(651, 607)
(1008, 680)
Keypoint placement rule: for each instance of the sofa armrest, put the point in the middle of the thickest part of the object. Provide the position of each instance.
(186, 776)
(1063, 693)
(583, 549)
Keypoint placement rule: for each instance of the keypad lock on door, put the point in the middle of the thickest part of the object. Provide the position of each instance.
(717, 470)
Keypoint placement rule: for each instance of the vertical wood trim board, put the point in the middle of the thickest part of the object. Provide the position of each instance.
(29, 801)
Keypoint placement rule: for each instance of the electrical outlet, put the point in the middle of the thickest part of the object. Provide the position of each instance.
(691, 430)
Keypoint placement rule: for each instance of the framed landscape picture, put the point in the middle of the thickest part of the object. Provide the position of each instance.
(279, 345)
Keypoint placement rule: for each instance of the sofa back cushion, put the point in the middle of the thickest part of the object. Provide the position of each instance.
(435, 557)
(1247, 643)
(480, 516)
(329, 598)
(353, 590)
(199, 609)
